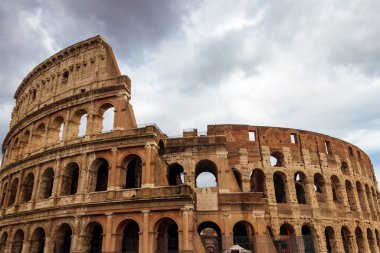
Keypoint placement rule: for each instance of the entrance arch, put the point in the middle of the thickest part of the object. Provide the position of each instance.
(167, 236)
(243, 234)
(211, 236)
(130, 239)
(63, 239)
(38, 241)
(331, 245)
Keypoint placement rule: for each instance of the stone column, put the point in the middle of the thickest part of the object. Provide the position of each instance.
(83, 174)
(57, 175)
(113, 173)
(36, 185)
(145, 241)
(185, 229)
(146, 173)
(19, 189)
(107, 239)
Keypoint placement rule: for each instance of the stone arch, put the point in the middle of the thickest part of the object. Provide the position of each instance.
(107, 112)
(175, 174)
(287, 235)
(62, 241)
(279, 181)
(359, 240)
(377, 234)
(308, 236)
(4, 194)
(320, 187)
(211, 236)
(98, 175)
(237, 176)
(346, 235)
(18, 240)
(37, 242)
(206, 174)
(132, 165)
(13, 192)
(24, 142)
(344, 168)
(70, 179)
(371, 240)
(78, 124)
(27, 188)
(350, 195)
(3, 241)
(56, 130)
(369, 198)
(331, 244)
(46, 185)
(128, 241)
(15, 147)
(277, 159)
(38, 136)
(300, 185)
(93, 232)
(257, 182)
(336, 189)
(161, 147)
(361, 196)
(243, 235)
(167, 236)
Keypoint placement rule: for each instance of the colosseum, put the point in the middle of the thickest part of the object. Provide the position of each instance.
(69, 183)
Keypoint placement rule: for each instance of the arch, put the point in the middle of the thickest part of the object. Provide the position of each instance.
(133, 171)
(371, 240)
(167, 236)
(38, 136)
(15, 147)
(308, 239)
(361, 196)
(107, 111)
(46, 185)
(243, 235)
(27, 188)
(3, 242)
(300, 185)
(287, 235)
(257, 181)
(94, 237)
(369, 198)
(345, 234)
(336, 189)
(237, 176)
(56, 130)
(24, 142)
(277, 159)
(69, 179)
(211, 236)
(129, 242)
(63, 239)
(82, 127)
(175, 174)
(359, 240)
(37, 243)
(206, 174)
(350, 195)
(161, 147)
(279, 180)
(18, 240)
(344, 168)
(331, 245)
(320, 187)
(98, 176)
(78, 124)
(377, 238)
(4, 194)
(13, 192)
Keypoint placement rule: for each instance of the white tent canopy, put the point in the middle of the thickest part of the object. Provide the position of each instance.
(237, 247)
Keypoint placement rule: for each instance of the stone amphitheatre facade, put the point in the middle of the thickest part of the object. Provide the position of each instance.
(68, 185)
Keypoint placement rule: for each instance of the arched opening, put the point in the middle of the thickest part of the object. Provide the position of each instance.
(133, 173)
(38, 136)
(3, 242)
(24, 142)
(257, 181)
(361, 196)
(130, 241)
(300, 184)
(319, 188)
(18, 240)
(78, 124)
(175, 174)
(336, 189)
(82, 130)
(56, 130)
(98, 177)
(377, 238)
(37, 243)
(206, 174)
(359, 240)
(161, 147)
(345, 233)
(108, 113)
(13, 192)
(288, 239)
(369, 198)
(238, 179)
(167, 236)
(277, 159)
(70, 178)
(27, 188)
(63, 239)
(4, 193)
(279, 180)
(350, 195)
(94, 232)
(344, 168)
(243, 235)
(46, 188)
(308, 239)
(375, 201)
(371, 240)
(211, 237)
(331, 245)
(15, 149)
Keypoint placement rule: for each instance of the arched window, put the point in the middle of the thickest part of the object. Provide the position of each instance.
(336, 189)
(38, 136)
(3, 194)
(350, 195)
(38, 241)
(175, 174)
(27, 188)
(361, 196)
(331, 245)
(13, 192)
(359, 240)
(108, 113)
(279, 180)
(211, 235)
(98, 177)
(206, 174)
(369, 198)
(344, 168)
(243, 235)
(371, 241)
(346, 235)
(18, 240)
(56, 130)
(277, 159)
(287, 235)
(319, 188)
(70, 178)
(94, 232)
(3, 241)
(300, 184)
(130, 241)
(133, 173)
(167, 236)
(63, 238)
(78, 124)
(308, 239)
(238, 179)
(258, 181)
(47, 180)
(24, 142)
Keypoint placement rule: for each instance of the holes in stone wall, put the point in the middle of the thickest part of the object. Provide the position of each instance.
(328, 148)
(252, 136)
(293, 138)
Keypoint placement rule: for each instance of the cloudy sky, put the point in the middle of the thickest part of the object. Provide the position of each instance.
(302, 64)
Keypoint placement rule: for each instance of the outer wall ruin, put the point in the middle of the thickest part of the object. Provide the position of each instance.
(68, 184)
